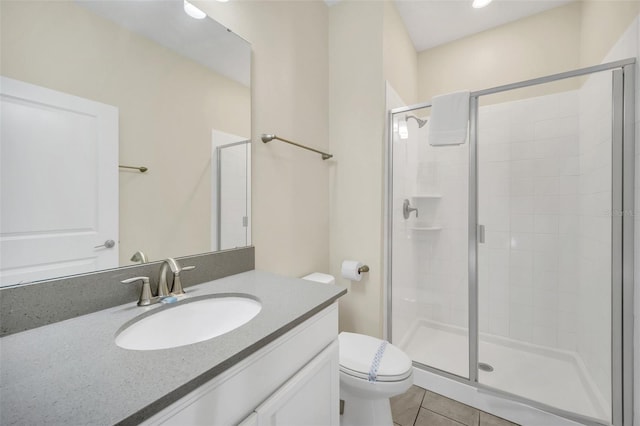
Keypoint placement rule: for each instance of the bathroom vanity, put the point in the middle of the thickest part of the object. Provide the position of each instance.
(281, 366)
(293, 380)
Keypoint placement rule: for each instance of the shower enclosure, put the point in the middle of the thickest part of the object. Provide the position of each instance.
(514, 273)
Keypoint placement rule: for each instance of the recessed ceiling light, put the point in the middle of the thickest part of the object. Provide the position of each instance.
(477, 4)
(193, 11)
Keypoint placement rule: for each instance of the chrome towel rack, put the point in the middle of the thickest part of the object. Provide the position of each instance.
(268, 138)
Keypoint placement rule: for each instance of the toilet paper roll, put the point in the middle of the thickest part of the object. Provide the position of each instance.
(350, 270)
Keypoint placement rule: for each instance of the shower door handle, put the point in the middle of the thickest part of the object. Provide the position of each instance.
(481, 234)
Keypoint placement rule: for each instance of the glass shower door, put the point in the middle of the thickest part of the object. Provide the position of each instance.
(429, 243)
(544, 246)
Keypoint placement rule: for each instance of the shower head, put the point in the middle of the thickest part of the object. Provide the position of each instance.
(420, 121)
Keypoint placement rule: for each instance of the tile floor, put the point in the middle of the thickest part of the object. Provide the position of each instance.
(419, 407)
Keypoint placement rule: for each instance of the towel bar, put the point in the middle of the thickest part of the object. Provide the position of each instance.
(141, 169)
(268, 138)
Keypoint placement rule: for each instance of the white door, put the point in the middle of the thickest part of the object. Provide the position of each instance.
(233, 219)
(231, 183)
(59, 183)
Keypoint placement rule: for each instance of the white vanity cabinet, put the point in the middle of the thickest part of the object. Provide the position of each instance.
(293, 380)
(309, 398)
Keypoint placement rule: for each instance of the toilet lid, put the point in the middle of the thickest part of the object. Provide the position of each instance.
(357, 354)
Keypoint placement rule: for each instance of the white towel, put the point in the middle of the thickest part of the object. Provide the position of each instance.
(449, 118)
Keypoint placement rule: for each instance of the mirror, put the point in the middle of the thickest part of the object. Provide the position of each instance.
(91, 86)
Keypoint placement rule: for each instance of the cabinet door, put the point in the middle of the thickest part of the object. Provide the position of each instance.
(310, 398)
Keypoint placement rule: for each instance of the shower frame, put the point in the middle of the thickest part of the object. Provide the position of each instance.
(622, 239)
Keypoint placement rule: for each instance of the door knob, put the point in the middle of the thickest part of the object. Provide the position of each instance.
(107, 244)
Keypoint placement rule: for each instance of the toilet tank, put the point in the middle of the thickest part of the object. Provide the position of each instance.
(320, 278)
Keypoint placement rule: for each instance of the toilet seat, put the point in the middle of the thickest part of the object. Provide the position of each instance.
(365, 376)
(357, 352)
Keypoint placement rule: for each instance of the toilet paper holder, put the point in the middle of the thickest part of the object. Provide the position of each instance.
(353, 270)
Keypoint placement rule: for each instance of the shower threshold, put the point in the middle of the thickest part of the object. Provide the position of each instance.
(551, 376)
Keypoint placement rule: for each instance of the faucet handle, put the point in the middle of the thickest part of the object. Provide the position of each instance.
(407, 209)
(146, 298)
(139, 256)
(177, 289)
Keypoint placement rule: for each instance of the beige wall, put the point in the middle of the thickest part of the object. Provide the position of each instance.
(569, 37)
(602, 24)
(543, 44)
(166, 211)
(400, 57)
(318, 78)
(368, 44)
(357, 124)
(289, 98)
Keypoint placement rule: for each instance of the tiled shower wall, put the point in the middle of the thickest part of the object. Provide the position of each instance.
(528, 202)
(558, 244)
(544, 179)
(439, 234)
(430, 279)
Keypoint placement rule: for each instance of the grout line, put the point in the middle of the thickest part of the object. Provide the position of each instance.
(419, 406)
(417, 415)
(422, 406)
(442, 415)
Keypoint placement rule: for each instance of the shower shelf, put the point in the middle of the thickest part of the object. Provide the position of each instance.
(426, 228)
(426, 196)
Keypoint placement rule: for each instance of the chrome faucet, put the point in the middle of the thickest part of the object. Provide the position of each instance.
(146, 295)
(163, 283)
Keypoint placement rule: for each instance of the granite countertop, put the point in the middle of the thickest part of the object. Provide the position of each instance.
(72, 372)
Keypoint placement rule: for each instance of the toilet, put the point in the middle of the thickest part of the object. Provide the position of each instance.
(371, 372)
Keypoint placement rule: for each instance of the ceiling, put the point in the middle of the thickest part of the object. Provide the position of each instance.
(434, 22)
(204, 41)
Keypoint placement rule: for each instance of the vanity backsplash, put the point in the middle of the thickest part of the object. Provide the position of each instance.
(24, 307)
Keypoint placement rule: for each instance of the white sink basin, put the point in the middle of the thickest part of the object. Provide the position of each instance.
(188, 322)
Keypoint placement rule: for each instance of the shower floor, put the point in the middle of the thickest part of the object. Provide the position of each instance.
(553, 377)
